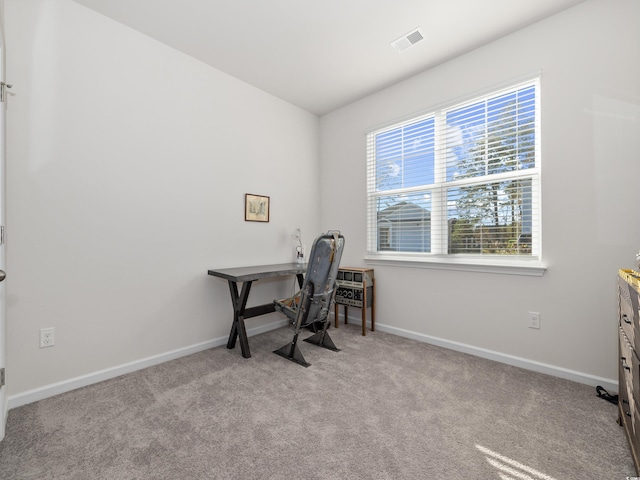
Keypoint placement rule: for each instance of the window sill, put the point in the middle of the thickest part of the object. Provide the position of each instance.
(527, 267)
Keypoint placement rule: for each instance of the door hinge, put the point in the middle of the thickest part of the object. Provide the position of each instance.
(1, 234)
(1, 377)
(3, 91)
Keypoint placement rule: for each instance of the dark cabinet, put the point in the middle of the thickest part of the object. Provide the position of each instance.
(629, 363)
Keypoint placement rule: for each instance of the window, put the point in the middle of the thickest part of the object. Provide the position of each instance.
(460, 184)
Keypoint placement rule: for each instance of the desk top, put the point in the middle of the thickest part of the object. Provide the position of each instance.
(249, 274)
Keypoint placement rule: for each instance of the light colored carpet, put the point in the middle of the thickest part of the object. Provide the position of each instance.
(385, 407)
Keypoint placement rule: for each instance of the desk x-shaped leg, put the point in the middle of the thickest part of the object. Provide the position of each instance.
(241, 312)
(237, 328)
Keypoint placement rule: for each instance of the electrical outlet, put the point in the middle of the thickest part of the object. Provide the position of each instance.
(534, 320)
(47, 337)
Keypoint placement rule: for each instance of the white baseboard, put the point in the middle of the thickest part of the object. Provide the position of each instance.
(53, 389)
(608, 384)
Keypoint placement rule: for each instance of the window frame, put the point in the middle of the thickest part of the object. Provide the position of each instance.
(530, 264)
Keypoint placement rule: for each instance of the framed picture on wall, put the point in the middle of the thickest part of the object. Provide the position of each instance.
(256, 208)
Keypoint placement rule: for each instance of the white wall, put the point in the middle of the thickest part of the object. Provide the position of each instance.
(590, 92)
(128, 163)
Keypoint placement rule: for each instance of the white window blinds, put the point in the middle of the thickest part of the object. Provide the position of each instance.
(462, 180)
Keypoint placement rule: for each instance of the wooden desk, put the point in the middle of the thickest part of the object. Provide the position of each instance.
(246, 276)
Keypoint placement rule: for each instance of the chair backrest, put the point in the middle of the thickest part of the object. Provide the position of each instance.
(318, 288)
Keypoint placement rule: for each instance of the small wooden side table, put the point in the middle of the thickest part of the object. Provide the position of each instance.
(356, 288)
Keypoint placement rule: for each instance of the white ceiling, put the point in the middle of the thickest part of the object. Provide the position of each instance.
(324, 54)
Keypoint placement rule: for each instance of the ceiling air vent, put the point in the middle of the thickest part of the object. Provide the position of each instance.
(408, 40)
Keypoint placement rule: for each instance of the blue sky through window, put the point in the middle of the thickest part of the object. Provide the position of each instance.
(405, 156)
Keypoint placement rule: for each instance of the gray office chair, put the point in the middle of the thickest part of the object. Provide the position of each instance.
(311, 305)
